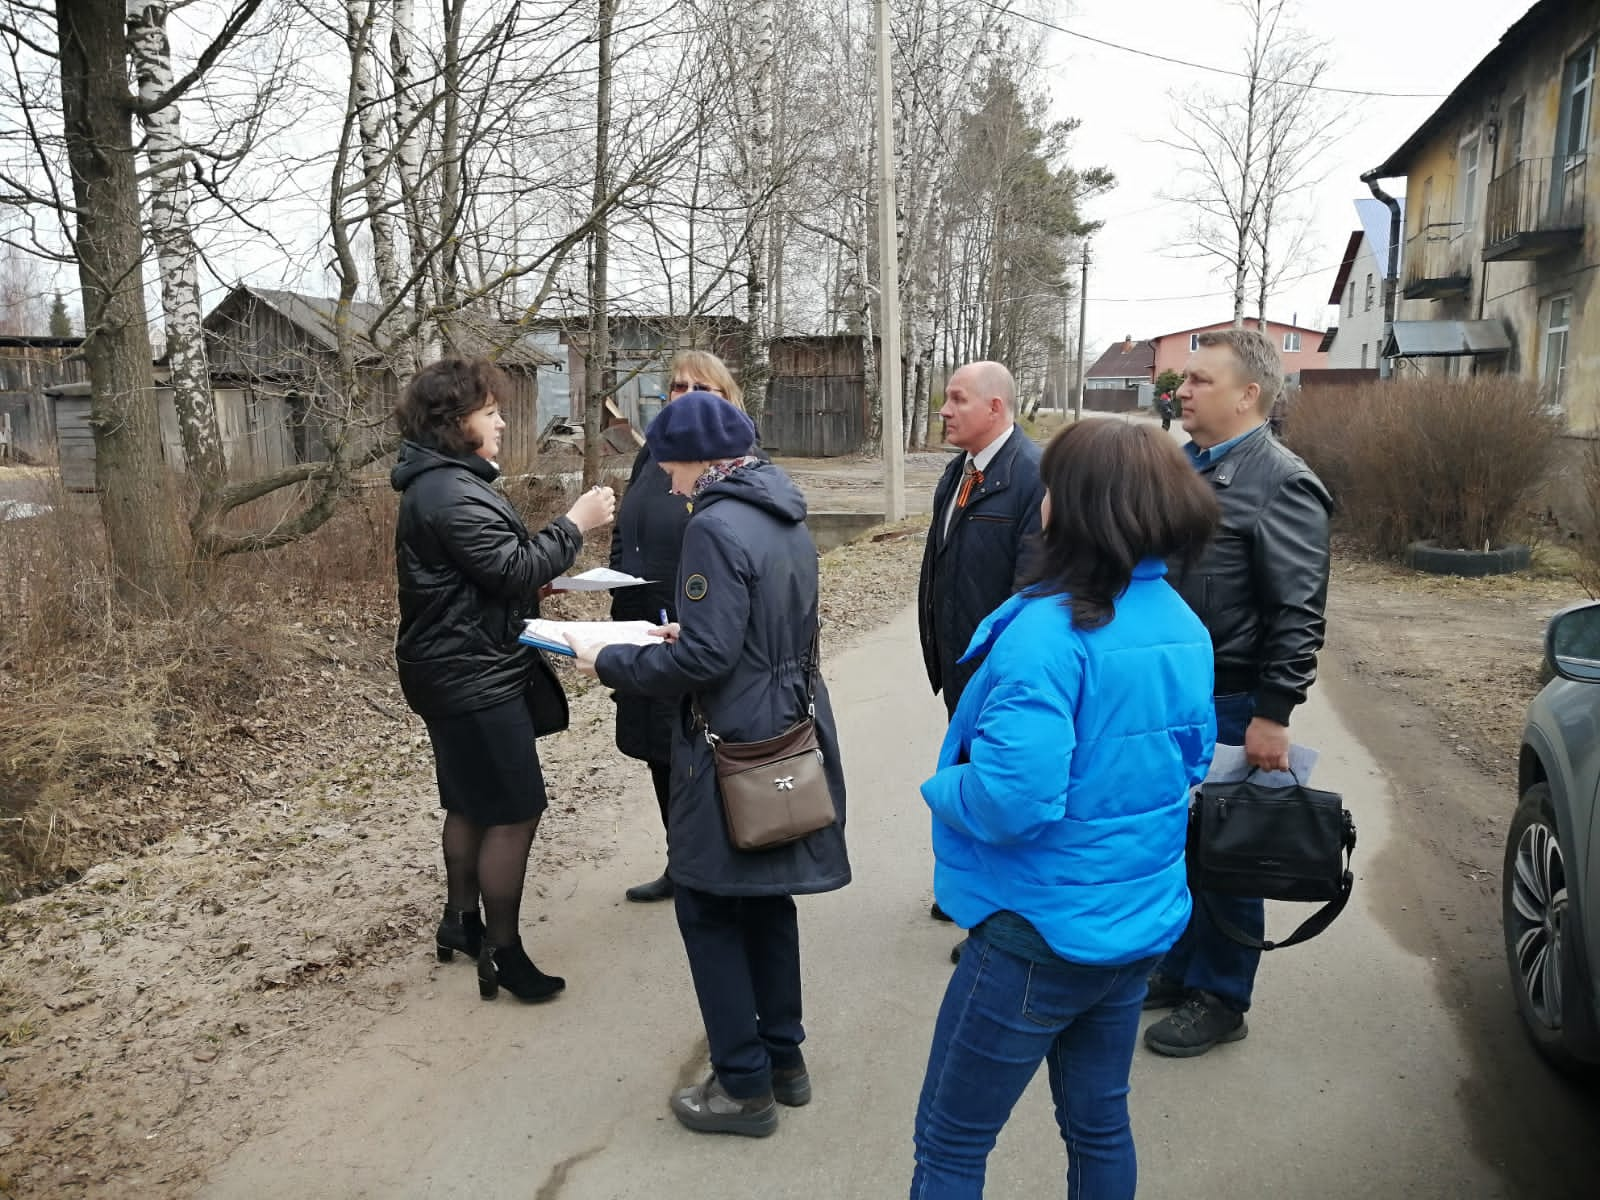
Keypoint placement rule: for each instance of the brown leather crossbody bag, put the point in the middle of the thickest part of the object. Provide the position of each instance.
(774, 791)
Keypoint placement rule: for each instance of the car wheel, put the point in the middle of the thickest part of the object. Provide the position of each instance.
(1534, 918)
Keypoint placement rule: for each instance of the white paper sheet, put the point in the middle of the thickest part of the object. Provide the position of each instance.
(600, 579)
(556, 636)
(1229, 764)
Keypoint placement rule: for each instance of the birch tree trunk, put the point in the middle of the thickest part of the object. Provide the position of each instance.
(758, 190)
(137, 503)
(599, 349)
(151, 58)
(404, 49)
(361, 18)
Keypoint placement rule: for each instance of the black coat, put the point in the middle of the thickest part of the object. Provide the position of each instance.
(747, 607)
(646, 542)
(970, 572)
(470, 574)
(1261, 586)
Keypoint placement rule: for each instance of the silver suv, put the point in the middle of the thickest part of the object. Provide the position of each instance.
(1551, 900)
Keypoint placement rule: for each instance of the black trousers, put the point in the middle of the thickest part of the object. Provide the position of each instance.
(744, 955)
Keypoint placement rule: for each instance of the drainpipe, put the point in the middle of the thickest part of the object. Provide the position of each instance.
(1391, 279)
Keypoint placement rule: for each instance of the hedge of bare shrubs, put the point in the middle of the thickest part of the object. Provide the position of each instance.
(1437, 460)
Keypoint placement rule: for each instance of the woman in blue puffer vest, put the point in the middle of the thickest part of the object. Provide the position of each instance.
(1060, 807)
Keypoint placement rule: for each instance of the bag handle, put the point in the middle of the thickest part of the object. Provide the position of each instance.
(1312, 925)
(814, 661)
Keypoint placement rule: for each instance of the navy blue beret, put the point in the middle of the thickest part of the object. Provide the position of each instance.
(699, 427)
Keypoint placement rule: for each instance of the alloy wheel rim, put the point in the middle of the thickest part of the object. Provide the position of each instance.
(1539, 900)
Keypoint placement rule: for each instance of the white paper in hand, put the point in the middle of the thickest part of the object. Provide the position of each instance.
(600, 579)
(1229, 765)
(558, 636)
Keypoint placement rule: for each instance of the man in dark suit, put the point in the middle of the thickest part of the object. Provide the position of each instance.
(985, 509)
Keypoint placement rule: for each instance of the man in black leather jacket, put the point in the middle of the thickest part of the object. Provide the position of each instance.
(1261, 588)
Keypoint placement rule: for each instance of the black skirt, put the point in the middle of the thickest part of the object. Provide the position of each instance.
(487, 763)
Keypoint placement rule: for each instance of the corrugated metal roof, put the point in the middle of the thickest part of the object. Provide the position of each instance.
(508, 344)
(1446, 339)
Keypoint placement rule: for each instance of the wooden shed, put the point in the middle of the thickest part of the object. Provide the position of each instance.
(249, 447)
(29, 367)
(817, 396)
(281, 349)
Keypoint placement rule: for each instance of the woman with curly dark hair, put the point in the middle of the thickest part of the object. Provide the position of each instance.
(470, 574)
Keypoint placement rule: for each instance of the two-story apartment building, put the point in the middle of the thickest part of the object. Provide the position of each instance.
(1501, 238)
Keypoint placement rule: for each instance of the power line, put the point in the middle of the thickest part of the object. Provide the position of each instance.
(1205, 295)
(1183, 62)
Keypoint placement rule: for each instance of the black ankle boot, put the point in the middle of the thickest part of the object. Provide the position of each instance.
(511, 968)
(461, 929)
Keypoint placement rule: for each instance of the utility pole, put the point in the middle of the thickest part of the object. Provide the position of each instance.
(894, 461)
(1083, 316)
(1066, 370)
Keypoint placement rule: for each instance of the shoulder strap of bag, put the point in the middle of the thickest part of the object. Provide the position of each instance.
(1309, 928)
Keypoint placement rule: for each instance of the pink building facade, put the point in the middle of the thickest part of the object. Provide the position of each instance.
(1297, 345)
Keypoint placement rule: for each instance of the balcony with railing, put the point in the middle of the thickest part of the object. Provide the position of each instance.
(1436, 263)
(1536, 208)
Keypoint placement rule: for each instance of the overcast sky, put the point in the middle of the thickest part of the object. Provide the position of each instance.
(1124, 102)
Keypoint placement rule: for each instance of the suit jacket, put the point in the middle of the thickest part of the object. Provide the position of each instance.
(970, 571)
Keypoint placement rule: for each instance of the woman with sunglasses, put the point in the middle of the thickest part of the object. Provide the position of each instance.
(647, 543)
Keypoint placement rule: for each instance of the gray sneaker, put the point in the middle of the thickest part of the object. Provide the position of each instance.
(707, 1108)
(1201, 1022)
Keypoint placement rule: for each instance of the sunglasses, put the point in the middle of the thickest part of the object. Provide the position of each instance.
(678, 386)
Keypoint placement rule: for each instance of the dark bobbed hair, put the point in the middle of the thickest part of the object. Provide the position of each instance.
(1119, 493)
(440, 397)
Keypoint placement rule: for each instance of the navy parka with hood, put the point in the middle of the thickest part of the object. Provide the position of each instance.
(470, 574)
(747, 607)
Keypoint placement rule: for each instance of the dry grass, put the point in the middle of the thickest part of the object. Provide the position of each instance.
(1448, 461)
(114, 730)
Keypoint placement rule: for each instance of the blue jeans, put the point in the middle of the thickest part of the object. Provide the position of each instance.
(1001, 1015)
(1204, 957)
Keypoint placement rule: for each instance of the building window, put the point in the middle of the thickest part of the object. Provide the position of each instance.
(1372, 292)
(1363, 356)
(1577, 98)
(1553, 367)
(1291, 342)
(1469, 184)
(1350, 299)
(1194, 342)
(1511, 140)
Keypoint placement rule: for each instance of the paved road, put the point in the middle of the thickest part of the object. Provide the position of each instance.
(1380, 1062)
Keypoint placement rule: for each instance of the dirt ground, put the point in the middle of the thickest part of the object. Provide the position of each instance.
(147, 1008)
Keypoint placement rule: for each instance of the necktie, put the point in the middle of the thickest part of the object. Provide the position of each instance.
(970, 478)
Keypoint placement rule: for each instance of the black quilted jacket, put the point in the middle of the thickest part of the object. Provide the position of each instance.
(470, 574)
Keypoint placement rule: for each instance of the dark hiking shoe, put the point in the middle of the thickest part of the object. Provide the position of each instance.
(955, 951)
(1165, 992)
(652, 892)
(939, 914)
(706, 1108)
(1201, 1022)
(792, 1087)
